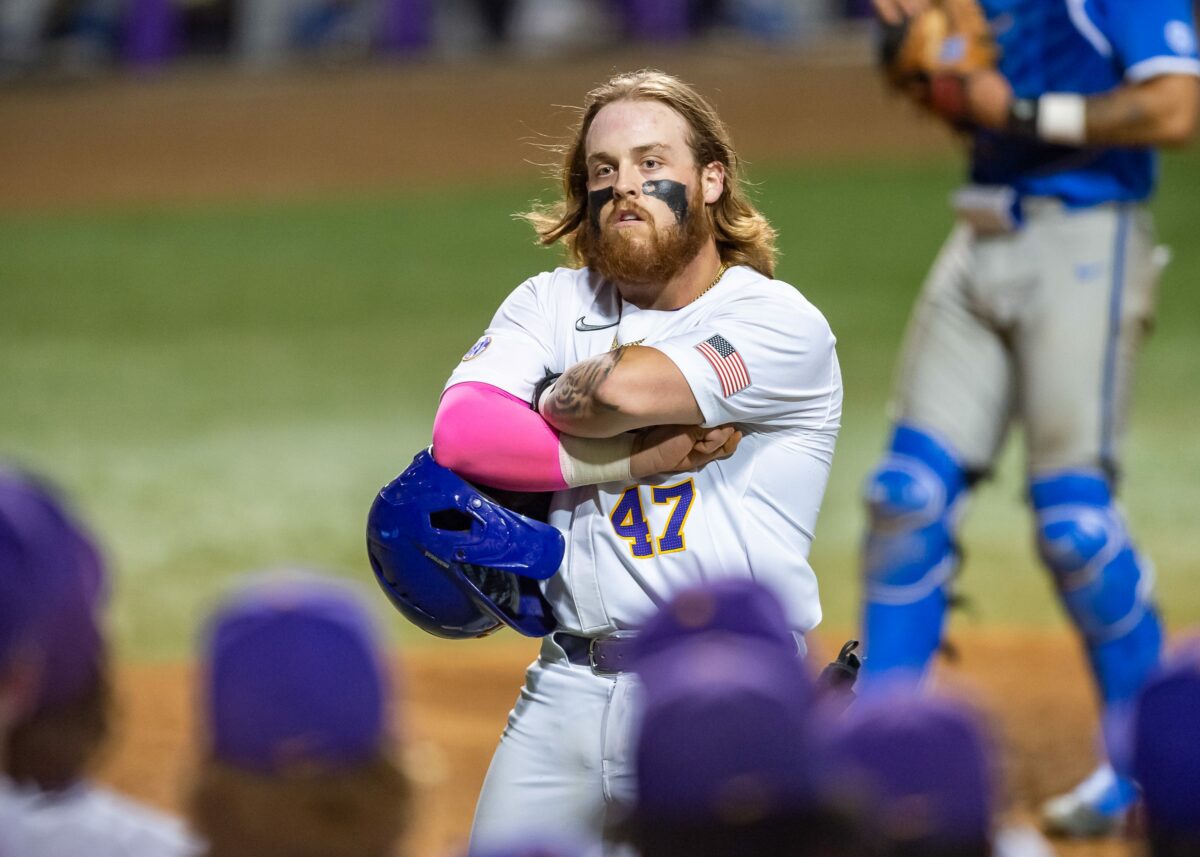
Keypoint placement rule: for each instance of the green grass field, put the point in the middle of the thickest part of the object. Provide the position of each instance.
(224, 389)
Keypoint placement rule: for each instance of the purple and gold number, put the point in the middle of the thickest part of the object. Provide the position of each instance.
(630, 523)
(681, 494)
(629, 519)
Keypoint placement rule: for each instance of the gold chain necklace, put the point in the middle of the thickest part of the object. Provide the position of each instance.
(720, 273)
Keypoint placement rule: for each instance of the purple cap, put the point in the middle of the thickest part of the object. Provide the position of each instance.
(295, 674)
(52, 587)
(529, 850)
(725, 734)
(1166, 743)
(921, 765)
(735, 606)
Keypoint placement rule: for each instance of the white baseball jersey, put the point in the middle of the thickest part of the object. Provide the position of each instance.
(757, 354)
(86, 820)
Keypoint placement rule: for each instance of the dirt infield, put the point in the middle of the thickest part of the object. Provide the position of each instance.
(455, 698)
(204, 135)
(208, 135)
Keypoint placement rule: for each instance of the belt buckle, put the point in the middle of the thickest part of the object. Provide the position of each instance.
(592, 656)
(597, 667)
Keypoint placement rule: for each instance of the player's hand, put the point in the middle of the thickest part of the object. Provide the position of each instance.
(674, 449)
(989, 98)
(895, 11)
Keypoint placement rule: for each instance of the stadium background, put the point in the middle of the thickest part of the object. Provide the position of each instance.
(228, 302)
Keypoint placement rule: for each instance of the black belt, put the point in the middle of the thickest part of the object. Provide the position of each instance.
(608, 655)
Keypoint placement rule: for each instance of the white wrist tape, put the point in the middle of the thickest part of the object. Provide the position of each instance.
(594, 460)
(1062, 118)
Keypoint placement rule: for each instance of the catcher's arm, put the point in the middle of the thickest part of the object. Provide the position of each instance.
(629, 388)
(1161, 111)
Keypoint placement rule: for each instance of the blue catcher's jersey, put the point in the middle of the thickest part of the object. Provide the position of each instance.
(1084, 46)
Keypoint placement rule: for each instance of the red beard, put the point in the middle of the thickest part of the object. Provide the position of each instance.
(625, 258)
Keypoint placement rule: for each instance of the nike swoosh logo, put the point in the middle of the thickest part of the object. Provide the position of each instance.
(584, 327)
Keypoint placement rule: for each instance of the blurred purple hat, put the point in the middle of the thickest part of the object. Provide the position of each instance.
(1166, 743)
(735, 606)
(529, 850)
(295, 674)
(920, 764)
(725, 733)
(52, 587)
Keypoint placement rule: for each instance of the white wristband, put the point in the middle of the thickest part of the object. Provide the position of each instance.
(1062, 118)
(594, 460)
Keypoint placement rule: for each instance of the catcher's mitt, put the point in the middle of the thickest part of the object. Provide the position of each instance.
(928, 57)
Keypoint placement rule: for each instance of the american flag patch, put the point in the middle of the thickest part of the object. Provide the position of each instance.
(728, 363)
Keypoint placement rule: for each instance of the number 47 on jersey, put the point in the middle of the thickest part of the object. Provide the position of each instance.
(629, 518)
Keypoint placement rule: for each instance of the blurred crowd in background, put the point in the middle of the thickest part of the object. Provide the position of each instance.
(87, 36)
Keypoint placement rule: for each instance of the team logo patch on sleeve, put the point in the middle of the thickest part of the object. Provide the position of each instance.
(478, 348)
(725, 359)
(1181, 38)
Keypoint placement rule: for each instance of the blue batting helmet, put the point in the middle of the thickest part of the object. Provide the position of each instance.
(454, 561)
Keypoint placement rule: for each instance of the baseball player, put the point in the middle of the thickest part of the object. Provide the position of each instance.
(681, 404)
(54, 699)
(1034, 312)
(298, 748)
(728, 753)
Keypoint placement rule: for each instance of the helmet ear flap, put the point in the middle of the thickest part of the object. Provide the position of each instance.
(435, 603)
(456, 562)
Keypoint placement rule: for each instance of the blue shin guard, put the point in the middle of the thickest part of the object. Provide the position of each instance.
(910, 554)
(1104, 586)
(1101, 579)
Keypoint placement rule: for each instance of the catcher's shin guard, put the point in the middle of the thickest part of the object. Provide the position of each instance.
(910, 554)
(1104, 584)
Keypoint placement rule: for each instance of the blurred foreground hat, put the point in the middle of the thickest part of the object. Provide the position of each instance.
(921, 764)
(530, 850)
(735, 606)
(1166, 743)
(294, 676)
(52, 587)
(725, 735)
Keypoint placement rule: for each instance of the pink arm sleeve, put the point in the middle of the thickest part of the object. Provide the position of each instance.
(487, 435)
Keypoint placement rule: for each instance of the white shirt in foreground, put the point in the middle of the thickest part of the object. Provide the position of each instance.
(86, 820)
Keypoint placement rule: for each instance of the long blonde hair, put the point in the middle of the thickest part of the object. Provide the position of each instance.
(742, 233)
(300, 812)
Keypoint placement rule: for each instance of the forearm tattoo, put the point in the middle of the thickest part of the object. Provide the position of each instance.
(574, 395)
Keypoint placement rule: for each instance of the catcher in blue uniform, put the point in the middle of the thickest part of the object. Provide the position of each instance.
(1034, 313)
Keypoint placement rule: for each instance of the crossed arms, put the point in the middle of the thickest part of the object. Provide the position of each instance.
(626, 414)
(629, 388)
